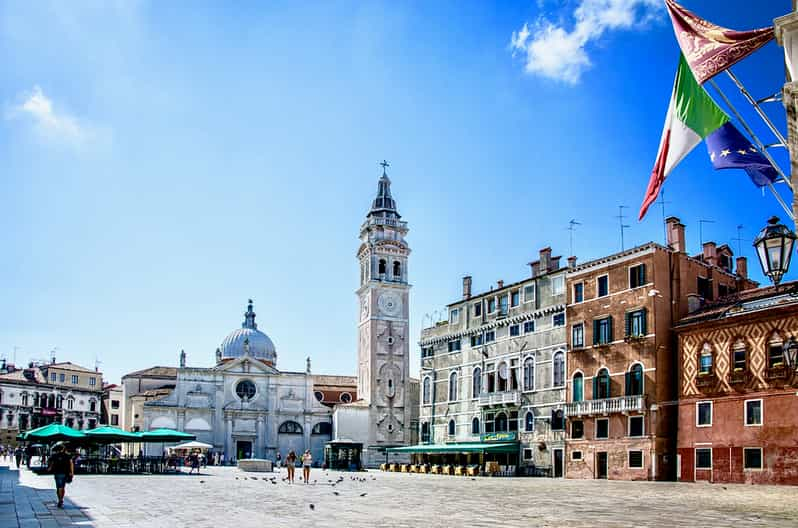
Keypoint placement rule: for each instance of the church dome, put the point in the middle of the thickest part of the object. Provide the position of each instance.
(248, 340)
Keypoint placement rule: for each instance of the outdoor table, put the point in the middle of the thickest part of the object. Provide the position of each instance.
(459, 470)
(384, 467)
(423, 468)
(473, 471)
(405, 468)
(436, 469)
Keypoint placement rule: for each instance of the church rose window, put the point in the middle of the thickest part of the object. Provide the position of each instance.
(345, 397)
(319, 395)
(245, 390)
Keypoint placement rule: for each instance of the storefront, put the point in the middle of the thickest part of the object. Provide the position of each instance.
(487, 457)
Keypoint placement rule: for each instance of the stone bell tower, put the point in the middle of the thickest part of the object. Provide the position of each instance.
(383, 344)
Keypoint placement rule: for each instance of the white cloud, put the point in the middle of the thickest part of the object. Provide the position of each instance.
(552, 51)
(54, 125)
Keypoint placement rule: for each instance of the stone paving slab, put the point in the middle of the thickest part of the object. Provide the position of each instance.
(229, 497)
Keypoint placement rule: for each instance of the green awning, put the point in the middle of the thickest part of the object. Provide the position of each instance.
(53, 433)
(165, 435)
(108, 434)
(464, 447)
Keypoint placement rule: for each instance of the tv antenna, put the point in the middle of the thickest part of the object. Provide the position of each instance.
(662, 203)
(739, 240)
(621, 218)
(701, 230)
(571, 228)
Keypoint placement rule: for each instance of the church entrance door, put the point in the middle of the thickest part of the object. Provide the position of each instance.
(243, 449)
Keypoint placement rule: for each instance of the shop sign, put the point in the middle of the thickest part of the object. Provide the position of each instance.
(510, 436)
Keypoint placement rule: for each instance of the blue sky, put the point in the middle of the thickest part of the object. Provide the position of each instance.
(163, 162)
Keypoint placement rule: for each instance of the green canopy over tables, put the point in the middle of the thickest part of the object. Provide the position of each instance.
(54, 432)
(108, 434)
(464, 447)
(165, 436)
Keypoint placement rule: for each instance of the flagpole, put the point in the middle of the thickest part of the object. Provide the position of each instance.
(756, 106)
(773, 190)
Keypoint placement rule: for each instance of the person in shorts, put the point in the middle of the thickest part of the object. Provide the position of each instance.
(307, 461)
(290, 463)
(62, 469)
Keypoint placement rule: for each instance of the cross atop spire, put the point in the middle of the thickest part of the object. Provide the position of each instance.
(384, 166)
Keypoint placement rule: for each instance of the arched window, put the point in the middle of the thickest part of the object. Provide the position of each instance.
(322, 428)
(70, 402)
(290, 427)
(25, 399)
(345, 397)
(426, 391)
(475, 426)
(319, 395)
(476, 382)
(451, 427)
(705, 361)
(634, 380)
(501, 423)
(51, 401)
(424, 432)
(775, 351)
(739, 356)
(529, 374)
(578, 387)
(559, 369)
(601, 385)
(59, 402)
(397, 269)
(453, 386)
(529, 422)
(504, 375)
(382, 265)
(92, 406)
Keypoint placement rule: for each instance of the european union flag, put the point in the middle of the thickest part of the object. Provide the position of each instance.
(729, 149)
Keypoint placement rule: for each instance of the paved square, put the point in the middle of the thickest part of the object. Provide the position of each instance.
(228, 497)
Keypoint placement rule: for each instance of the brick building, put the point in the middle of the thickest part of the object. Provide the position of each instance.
(621, 367)
(738, 410)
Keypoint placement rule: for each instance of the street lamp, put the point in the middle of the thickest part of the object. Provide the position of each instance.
(791, 353)
(774, 246)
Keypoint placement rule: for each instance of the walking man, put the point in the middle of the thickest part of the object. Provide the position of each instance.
(63, 470)
(18, 455)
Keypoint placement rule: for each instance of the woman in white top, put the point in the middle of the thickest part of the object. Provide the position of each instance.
(307, 460)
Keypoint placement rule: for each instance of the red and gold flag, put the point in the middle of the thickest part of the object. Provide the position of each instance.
(709, 48)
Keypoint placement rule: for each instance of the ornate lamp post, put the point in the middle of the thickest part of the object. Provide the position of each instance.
(774, 246)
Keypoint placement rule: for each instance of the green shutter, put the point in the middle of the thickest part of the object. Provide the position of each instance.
(609, 332)
(595, 331)
(595, 387)
(642, 274)
(643, 326)
(628, 383)
(628, 322)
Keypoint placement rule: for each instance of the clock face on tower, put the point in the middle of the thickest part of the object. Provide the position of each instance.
(390, 304)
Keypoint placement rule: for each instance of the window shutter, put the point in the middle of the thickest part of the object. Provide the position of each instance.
(642, 278)
(609, 332)
(628, 383)
(643, 326)
(595, 388)
(628, 321)
(609, 385)
(595, 331)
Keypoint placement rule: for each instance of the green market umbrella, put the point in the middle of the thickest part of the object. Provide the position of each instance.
(111, 435)
(165, 436)
(54, 432)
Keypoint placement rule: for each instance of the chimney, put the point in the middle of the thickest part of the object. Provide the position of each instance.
(499, 284)
(675, 229)
(693, 302)
(555, 263)
(467, 287)
(572, 262)
(710, 253)
(545, 259)
(742, 267)
(182, 359)
(535, 266)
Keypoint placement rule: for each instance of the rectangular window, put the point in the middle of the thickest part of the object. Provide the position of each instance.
(602, 331)
(527, 454)
(558, 285)
(752, 458)
(636, 323)
(753, 412)
(635, 460)
(62, 377)
(603, 286)
(703, 414)
(92, 381)
(490, 336)
(578, 335)
(704, 286)
(775, 355)
(454, 316)
(476, 340)
(70, 403)
(579, 292)
(503, 304)
(576, 455)
(602, 428)
(637, 276)
(558, 319)
(492, 305)
(739, 358)
(577, 429)
(529, 293)
(454, 345)
(703, 458)
(53, 376)
(515, 330)
(529, 326)
(114, 419)
(114, 404)
(74, 380)
(515, 298)
(636, 426)
(478, 309)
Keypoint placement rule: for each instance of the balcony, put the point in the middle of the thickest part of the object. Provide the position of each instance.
(739, 378)
(621, 404)
(777, 372)
(706, 380)
(487, 399)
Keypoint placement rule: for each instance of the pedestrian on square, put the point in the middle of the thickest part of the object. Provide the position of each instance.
(63, 470)
(18, 455)
(278, 460)
(195, 463)
(307, 461)
(290, 463)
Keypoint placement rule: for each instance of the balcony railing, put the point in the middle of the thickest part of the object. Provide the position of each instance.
(500, 398)
(738, 377)
(621, 404)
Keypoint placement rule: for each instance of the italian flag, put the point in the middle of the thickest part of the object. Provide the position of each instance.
(692, 116)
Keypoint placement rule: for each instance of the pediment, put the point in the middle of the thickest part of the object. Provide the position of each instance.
(246, 365)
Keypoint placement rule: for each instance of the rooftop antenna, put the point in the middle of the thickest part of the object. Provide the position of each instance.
(97, 363)
(739, 239)
(701, 229)
(662, 203)
(14, 359)
(620, 218)
(571, 228)
(52, 354)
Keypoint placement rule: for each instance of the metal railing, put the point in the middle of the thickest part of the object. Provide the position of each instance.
(620, 404)
(500, 398)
